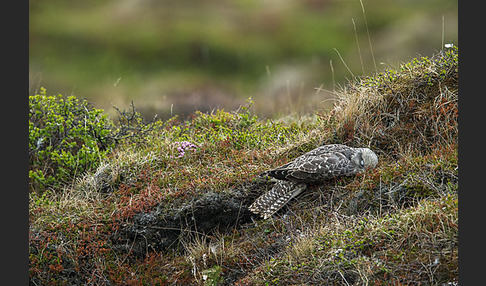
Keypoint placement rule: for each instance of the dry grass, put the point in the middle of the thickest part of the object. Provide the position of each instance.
(412, 108)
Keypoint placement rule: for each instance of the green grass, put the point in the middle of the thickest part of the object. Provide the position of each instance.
(168, 204)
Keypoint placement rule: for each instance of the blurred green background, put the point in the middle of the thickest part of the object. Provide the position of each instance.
(175, 56)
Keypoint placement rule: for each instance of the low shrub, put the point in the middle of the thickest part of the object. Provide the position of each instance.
(66, 136)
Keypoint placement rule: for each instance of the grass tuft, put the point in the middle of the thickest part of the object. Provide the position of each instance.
(412, 108)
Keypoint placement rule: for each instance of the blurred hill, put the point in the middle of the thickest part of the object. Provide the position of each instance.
(172, 57)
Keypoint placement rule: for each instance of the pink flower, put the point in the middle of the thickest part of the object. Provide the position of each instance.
(183, 146)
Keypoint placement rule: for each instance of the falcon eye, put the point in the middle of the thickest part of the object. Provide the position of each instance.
(362, 162)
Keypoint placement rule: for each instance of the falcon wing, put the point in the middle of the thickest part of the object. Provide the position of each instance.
(331, 148)
(308, 168)
(269, 203)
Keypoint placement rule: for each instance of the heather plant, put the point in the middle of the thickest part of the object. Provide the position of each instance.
(66, 137)
(184, 146)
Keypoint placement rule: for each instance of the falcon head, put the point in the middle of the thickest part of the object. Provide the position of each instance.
(365, 158)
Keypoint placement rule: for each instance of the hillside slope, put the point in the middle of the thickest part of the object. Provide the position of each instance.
(168, 204)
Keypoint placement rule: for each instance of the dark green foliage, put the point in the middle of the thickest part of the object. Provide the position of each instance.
(66, 137)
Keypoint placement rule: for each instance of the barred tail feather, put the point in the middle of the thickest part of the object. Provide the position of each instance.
(270, 202)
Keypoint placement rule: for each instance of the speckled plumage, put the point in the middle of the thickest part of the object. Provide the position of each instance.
(319, 165)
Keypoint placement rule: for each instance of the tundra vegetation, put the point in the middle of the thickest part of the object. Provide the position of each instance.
(130, 202)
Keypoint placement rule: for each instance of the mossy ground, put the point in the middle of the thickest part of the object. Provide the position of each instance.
(172, 208)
